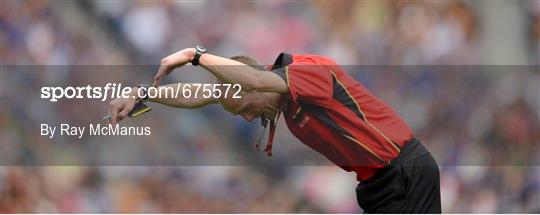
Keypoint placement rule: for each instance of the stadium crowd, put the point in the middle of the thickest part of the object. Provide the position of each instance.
(482, 126)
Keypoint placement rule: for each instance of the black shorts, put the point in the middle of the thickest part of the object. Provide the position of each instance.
(410, 184)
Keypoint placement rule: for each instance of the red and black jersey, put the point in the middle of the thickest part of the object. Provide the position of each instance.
(337, 116)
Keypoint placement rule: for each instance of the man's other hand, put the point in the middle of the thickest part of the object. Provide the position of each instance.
(119, 108)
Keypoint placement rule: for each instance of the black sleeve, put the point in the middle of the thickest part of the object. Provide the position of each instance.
(282, 72)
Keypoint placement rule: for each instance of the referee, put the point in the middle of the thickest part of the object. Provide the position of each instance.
(327, 110)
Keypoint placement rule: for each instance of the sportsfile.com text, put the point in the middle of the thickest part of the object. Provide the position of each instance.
(114, 90)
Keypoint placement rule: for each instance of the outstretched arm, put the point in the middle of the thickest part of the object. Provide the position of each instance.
(228, 70)
(120, 107)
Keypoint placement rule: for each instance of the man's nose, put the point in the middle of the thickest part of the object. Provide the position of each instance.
(248, 117)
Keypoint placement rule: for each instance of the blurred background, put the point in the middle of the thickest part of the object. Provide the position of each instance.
(498, 122)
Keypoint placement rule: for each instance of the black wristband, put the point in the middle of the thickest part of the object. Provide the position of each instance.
(199, 50)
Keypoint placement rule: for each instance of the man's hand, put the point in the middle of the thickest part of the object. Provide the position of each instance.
(171, 62)
(119, 108)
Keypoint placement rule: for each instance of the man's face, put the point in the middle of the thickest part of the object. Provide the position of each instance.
(251, 105)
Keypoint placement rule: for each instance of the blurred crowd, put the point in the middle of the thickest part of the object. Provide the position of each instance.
(482, 126)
